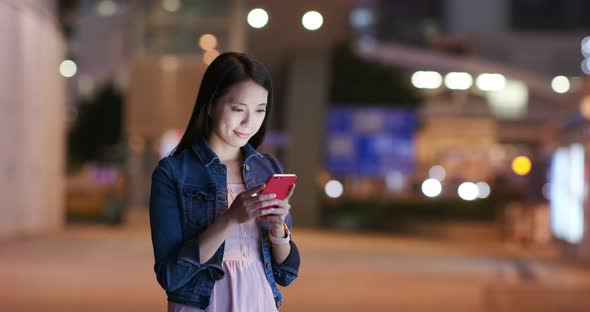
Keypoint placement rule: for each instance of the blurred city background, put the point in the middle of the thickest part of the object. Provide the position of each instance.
(441, 147)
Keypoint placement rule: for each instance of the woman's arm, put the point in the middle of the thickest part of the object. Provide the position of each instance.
(176, 262)
(279, 251)
(245, 207)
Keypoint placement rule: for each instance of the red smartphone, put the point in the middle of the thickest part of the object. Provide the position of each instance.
(279, 184)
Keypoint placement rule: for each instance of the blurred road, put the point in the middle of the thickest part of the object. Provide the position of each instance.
(103, 268)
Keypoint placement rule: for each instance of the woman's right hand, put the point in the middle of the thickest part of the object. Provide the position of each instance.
(249, 204)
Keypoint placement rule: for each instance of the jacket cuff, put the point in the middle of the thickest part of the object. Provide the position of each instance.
(292, 261)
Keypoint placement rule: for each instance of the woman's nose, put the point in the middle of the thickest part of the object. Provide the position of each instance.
(246, 119)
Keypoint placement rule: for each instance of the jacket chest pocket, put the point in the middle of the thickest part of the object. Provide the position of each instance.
(199, 203)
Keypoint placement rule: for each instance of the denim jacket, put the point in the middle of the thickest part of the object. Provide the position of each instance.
(187, 193)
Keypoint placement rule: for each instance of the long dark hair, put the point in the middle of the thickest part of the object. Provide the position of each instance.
(227, 70)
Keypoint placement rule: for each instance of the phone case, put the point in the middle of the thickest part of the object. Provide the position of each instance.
(279, 184)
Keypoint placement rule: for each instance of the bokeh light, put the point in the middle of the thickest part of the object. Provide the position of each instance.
(468, 191)
(490, 82)
(171, 5)
(334, 189)
(257, 18)
(585, 107)
(68, 68)
(437, 172)
(521, 165)
(427, 80)
(458, 81)
(431, 187)
(106, 8)
(484, 190)
(208, 42)
(560, 84)
(361, 17)
(312, 20)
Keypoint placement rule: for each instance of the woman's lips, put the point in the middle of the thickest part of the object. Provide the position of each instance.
(241, 135)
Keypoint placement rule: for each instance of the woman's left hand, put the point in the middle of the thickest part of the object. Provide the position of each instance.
(276, 215)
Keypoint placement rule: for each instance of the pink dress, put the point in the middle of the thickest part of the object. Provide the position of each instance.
(244, 286)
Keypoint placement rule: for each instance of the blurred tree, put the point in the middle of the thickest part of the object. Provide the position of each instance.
(98, 127)
(359, 82)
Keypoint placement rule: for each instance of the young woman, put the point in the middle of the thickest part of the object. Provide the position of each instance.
(219, 245)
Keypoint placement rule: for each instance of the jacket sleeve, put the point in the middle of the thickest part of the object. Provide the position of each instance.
(286, 272)
(176, 261)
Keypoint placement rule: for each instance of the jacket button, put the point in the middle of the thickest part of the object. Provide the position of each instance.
(268, 266)
(247, 167)
(200, 196)
(217, 275)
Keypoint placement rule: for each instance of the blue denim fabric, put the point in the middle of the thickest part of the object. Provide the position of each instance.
(186, 189)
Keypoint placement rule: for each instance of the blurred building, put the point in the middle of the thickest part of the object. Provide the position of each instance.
(170, 56)
(32, 117)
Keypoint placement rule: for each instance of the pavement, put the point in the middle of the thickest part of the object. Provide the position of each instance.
(109, 268)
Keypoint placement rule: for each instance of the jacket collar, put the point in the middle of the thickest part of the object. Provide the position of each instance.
(208, 156)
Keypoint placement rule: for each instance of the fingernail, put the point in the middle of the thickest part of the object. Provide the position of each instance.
(273, 195)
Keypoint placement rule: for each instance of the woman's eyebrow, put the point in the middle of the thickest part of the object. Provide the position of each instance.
(261, 104)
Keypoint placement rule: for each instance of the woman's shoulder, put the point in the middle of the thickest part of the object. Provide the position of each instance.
(170, 162)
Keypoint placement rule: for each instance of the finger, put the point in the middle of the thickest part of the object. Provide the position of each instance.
(251, 192)
(291, 190)
(280, 212)
(284, 204)
(265, 204)
(251, 200)
(265, 211)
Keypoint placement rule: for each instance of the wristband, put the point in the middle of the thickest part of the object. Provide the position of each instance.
(283, 240)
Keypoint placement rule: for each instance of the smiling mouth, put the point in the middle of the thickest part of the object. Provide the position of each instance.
(241, 135)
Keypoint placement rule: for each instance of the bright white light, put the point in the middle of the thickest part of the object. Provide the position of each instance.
(361, 17)
(560, 84)
(334, 189)
(208, 42)
(431, 187)
(257, 18)
(68, 68)
(567, 193)
(171, 5)
(483, 190)
(312, 20)
(426, 80)
(585, 47)
(490, 82)
(468, 191)
(510, 102)
(437, 172)
(458, 81)
(106, 8)
(586, 66)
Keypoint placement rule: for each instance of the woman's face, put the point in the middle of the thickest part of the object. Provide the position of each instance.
(238, 115)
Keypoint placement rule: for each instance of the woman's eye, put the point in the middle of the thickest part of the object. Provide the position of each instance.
(237, 110)
(261, 110)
